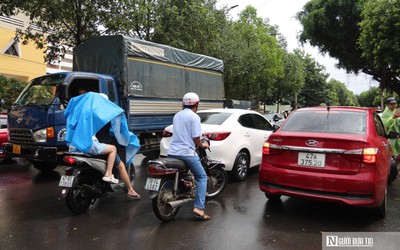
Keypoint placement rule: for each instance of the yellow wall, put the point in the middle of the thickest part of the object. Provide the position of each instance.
(28, 66)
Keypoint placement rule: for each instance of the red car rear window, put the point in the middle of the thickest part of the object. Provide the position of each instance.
(348, 122)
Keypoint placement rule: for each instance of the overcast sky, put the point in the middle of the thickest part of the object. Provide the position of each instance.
(282, 13)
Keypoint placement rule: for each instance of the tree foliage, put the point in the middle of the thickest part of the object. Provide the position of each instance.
(9, 91)
(314, 91)
(257, 64)
(260, 56)
(380, 41)
(362, 34)
(62, 24)
(293, 78)
(339, 95)
(370, 98)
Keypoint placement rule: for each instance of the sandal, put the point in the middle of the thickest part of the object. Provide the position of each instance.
(201, 216)
(110, 179)
(134, 197)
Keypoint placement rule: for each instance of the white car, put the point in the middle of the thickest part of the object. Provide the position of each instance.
(236, 136)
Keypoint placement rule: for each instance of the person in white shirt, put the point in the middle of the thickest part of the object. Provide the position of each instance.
(186, 135)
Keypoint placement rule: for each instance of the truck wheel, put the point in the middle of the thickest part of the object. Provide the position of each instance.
(44, 166)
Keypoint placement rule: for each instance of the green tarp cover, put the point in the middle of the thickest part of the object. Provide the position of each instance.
(148, 69)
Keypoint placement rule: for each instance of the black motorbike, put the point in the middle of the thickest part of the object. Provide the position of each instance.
(175, 184)
(82, 183)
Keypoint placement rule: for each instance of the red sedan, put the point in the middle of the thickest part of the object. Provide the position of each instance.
(3, 133)
(334, 154)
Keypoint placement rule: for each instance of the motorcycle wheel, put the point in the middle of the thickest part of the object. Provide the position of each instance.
(216, 182)
(160, 207)
(78, 200)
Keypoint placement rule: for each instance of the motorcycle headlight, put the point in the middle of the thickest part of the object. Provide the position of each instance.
(40, 135)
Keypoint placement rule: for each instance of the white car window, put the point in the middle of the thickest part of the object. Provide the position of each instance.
(215, 118)
(261, 123)
(247, 121)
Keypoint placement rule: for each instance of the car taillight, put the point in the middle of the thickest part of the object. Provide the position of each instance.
(271, 149)
(366, 155)
(69, 160)
(217, 136)
(165, 133)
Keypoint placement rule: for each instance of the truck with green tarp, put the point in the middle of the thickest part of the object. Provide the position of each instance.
(146, 79)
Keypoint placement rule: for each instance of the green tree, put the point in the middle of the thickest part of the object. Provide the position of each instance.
(259, 55)
(380, 41)
(9, 91)
(339, 95)
(370, 98)
(62, 24)
(290, 85)
(9, 7)
(334, 27)
(191, 25)
(315, 89)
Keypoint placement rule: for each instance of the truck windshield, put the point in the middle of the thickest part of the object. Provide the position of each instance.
(40, 91)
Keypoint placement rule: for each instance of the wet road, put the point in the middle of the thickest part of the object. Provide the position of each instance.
(33, 217)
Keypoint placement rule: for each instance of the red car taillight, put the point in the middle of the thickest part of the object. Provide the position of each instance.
(367, 155)
(217, 136)
(271, 149)
(165, 133)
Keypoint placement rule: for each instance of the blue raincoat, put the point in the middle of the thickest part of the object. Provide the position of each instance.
(86, 114)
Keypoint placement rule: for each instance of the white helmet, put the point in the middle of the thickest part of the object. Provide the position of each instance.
(104, 95)
(190, 99)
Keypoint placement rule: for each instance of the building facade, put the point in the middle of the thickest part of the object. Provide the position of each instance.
(25, 62)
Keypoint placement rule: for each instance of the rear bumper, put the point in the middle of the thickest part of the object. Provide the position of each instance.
(31, 152)
(363, 189)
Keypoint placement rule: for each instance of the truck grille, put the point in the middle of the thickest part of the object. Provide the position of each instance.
(21, 136)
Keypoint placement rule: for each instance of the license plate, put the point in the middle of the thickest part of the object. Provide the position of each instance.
(311, 160)
(152, 184)
(16, 149)
(66, 181)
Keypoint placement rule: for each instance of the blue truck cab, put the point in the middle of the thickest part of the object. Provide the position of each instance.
(147, 80)
(37, 122)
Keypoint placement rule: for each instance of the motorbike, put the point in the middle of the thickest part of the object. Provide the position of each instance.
(175, 185)
(82, 185)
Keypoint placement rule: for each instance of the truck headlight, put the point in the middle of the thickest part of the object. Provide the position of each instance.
(43, 134)
(40, 135)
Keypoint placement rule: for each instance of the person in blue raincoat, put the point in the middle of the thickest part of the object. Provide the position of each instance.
(89, 112)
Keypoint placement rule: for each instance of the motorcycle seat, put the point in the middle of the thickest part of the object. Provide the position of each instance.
(170, 163)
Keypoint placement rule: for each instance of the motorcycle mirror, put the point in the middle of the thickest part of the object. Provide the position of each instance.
(275, 127)
(393, 135)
